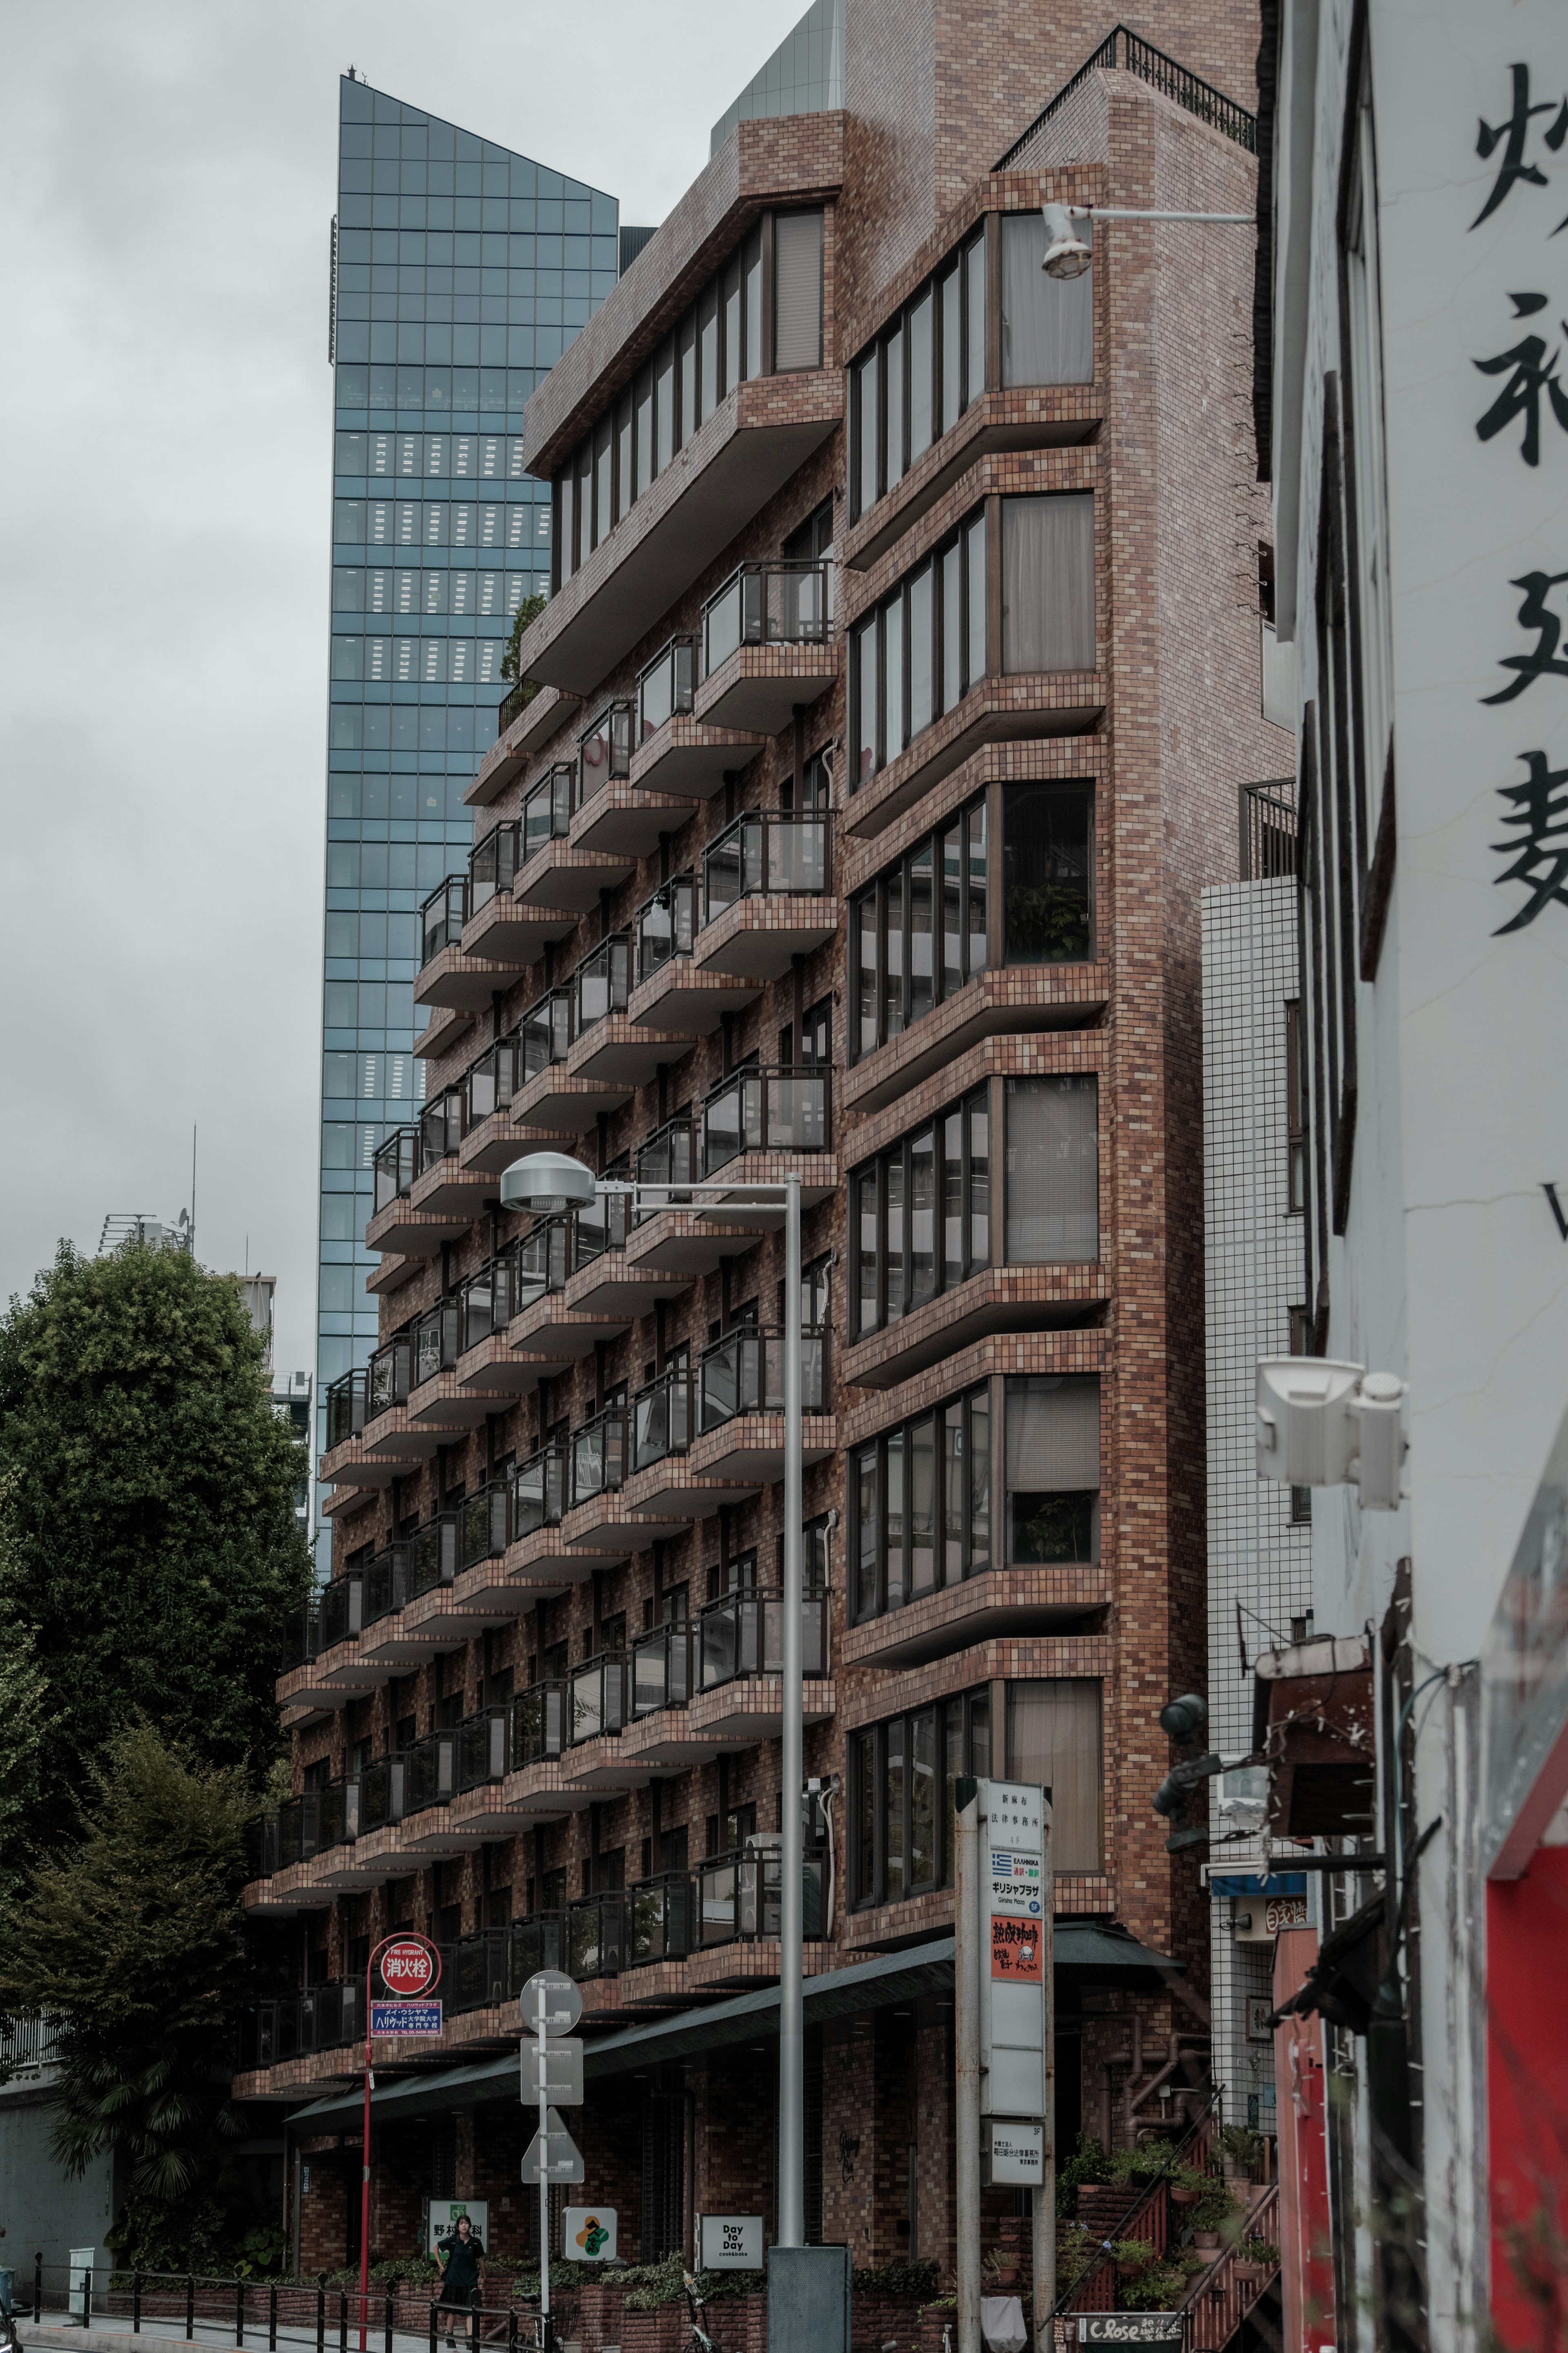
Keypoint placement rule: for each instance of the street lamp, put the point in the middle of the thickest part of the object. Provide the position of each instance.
(546, 1182)
(1067, 254)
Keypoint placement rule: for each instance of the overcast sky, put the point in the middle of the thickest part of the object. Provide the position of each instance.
(168, 170)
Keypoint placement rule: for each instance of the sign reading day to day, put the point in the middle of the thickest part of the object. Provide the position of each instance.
(732, 2243)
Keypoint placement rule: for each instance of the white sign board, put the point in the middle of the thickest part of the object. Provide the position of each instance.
(1010, 2152)
(443, 2220)
(553, 2153)
(1013, 1882)
(732, 2243)
(588, 2235)
(560, 2062)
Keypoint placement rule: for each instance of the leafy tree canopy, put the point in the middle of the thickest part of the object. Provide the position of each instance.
(147, 1542)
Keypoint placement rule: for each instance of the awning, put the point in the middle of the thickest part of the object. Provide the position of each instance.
(1341, 1984)
(1086, 1953)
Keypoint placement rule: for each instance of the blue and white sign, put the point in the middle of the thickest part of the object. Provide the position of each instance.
(405, 2018)
(1015, 1882)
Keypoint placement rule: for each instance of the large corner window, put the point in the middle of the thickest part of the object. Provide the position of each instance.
(731, 334)
(902, 1777)
(1052, 1468)
(1047, 872)
(922, 930)
(1047, 582)
(921, 1215)
(1047, 323)
(1055, 1736)
(920, 1506)
(925, 368)
(917, 653)
(1052, 1213)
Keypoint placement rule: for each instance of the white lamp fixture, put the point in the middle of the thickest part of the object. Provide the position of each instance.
(1067, 254)
(547, 1181)
(1321, 1424)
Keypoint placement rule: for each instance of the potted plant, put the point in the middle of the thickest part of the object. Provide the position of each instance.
(1240, 2149)
(1188, 2185)
(1217, 2209)
(1130, 2256)
(1255, 2258)
(1000, 2272)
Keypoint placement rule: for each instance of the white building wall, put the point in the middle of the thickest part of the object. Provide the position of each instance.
(1254, 1271)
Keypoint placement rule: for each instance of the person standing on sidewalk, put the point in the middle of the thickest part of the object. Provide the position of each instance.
(459, 2256)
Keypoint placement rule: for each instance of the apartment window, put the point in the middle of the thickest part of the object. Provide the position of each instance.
(918, 651)
(1052, 1172)
(1047, 582)
(1047, 872)
(920, 930)
(727, 336)
(925, 368)
(1052, 1468)
(922, 1214)
(1047, 323)
(901, 1784)
(1055, 1736)
(920, 1506)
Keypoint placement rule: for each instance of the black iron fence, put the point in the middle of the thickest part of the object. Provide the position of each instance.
(1134, 55)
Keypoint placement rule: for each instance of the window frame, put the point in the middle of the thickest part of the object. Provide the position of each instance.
(980, 1399)
(896, 331)
(867, 1876)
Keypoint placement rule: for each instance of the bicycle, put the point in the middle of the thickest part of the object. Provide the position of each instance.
(699, 2341)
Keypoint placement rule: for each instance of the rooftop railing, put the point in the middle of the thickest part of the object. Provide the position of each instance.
(664, 925)
(765, 1109)
(442, 916)
(605, 751)
(664, 686)
(762, 854)
(767, 604)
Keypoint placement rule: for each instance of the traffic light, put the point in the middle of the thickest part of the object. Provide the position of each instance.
(1183, 1719)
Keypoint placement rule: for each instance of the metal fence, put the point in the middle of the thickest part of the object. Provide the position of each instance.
(1127, 50)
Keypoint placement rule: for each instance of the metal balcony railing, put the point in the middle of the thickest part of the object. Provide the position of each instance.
(440, 1128)
(538, 1491)
(324, 2018)
(664, 1667)
(493, 862)
(741, 1893)
(388, 1374)
(662, 1419)
(741, 1633)
(345, 1407)
(395, 1168)
(601, 981)
(758, 1109)
(764, 855)
(546, 811)
(597, 1455)
(442, 916)
(744, 1373)
(661, 1918)
(767, 604)
(671, 1154)
(306, 1826)
(382, 1790)
(486, 1302)
(540, 1717)
(557, 1248)
(484, 1523)
(476, 1971)
(437, 1340)
(596, 1935)
(340, 1609)
(664, 925)
(484, 1747)
(489, 1081)
(664, 686)
(605, 751)
(544, 1033)
(411, 1565)
(538, 1942)
(600, 1696)
(430, 1772)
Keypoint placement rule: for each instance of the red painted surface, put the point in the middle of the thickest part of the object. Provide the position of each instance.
(1307, 2276)
(1526, 2101)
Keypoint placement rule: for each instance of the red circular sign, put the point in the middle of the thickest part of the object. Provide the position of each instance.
(409, 1968)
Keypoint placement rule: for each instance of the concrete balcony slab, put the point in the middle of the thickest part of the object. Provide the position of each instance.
(761, 935)
(756, 689)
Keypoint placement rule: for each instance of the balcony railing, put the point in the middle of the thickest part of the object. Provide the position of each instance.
(605, 751)
(671, 1154)
(598, 1455)
(388, 1374)
(661, 1918)
(664, 925)
(323, 2019)
(544, 1033)
(513, 704)
(430, 1769)
(489, 1081)
(546, 812)
(440, 1128)
(664, 1667)
(596, 1941)
(442, 916)
(744, 1373)
(484, 1523)
(395, 1168)
(484, 1747)
(765, 855)
(662, 1419)
(383, 1790)
(538, 1942)
(557, 1248)
(741, 1894)
(601, 1695)
(307, 1826)
(335, 1614)
(345, 1407)
(539, 1718)
(493, 862)
(477, 1972)
(437, 1340)
(664, 686)
(767, 604)
(538, 1491)
(758, 1109)
(411, 1565)
(741, 1633)
(601, 981)
(486, 1302)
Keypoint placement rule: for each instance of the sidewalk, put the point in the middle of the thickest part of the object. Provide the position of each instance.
(111, 2333)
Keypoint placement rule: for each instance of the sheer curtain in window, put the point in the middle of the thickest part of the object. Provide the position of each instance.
(1047, 323)
(1053, 1468)
(1053, 1169)
(1047, 582)
(1053, 1736)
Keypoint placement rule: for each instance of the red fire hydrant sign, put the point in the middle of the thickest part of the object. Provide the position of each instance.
(1016, 1947)
(409, 1969)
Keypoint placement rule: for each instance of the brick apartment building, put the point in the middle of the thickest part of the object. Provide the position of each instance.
(899, 674)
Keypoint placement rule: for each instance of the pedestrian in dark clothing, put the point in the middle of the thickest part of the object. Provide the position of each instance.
(459, 2256)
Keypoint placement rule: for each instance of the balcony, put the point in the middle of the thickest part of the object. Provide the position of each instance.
(750, 1121)
(448, 976)
(669, 993)
(499, 926)
(674, 753)
(606, 1046)
(765, 889)
(597, 1520)
(712, 1438)
(735, 1898)
(998, 1299)
(767, 646)
(551, 1094)
(616, 814)
(412, 1219)
(527, 720)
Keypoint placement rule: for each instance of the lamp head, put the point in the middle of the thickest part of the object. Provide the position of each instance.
(546, 1181)
(1067, 254)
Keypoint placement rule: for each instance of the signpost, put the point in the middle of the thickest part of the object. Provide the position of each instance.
(410, 1969)
(732, 2243)
(552, 2068)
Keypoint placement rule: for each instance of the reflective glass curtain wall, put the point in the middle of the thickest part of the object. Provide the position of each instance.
(460, 272)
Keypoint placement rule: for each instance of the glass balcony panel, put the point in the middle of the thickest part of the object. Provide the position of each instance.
(537, 1491)
(546, 813)
(443, 915)
(538, 1942)
(483, 1749)
(797, 1111)
(601, 981)
(340, 1610)
(665, 924)
(388, 1375)
(492, 863)
(767, 604)
(660, 1918)
(605, 752)
(539, 1719)
(345, 1407)
(382, 1788)
(596, 1935)
(718, 1890)
(669, 1157)
(598, 1455)
(661, 1420)
(394, 1167)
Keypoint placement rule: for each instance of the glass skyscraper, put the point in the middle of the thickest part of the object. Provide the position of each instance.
(460, 272)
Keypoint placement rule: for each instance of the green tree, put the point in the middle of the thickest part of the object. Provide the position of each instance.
(529, 610)
(132, 1944)
(148, 1541)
